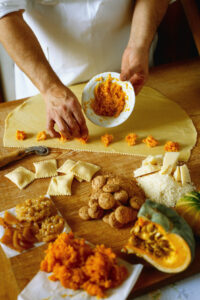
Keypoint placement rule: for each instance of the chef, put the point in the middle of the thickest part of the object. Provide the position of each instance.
(55, 43)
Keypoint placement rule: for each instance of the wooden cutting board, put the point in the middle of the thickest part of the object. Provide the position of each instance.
(18, 271)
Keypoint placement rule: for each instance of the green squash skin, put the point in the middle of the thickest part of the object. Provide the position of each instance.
(169, 220)
(189, 208)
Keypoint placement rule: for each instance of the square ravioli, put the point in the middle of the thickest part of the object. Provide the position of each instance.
(66, 168)
(21, 177)
(45, 168)
(84, 170)
(60, 185)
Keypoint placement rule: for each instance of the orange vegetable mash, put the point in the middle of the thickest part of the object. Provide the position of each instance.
(131, 139)
(78, 265)
(41, 136)
(171, 146)
(21, 135)
(107, 139)
(150, 141)
(109, 98)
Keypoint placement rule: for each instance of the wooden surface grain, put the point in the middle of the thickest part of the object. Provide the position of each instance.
(179, 82)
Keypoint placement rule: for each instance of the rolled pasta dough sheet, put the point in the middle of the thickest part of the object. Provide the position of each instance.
(154, 114)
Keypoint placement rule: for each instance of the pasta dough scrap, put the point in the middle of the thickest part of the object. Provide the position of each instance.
(84, 170)
(21, 177)
(66, 168)
(60, 185)
(45, 168)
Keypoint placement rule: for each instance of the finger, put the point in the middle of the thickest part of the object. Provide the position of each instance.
(137, 80)
(125, 74)
(63, 128)
(73, 125)
(50, 128)
(81, 121)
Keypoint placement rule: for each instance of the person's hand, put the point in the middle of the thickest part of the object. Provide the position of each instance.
(135, 67)
(63, 109)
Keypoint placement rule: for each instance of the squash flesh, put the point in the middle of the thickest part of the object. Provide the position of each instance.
(170, 252)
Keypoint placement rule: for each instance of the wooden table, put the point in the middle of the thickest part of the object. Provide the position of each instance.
(181, 83)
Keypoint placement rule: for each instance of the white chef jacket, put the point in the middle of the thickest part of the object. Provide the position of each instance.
(80, 38)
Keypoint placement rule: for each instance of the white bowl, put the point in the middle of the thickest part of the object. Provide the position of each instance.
(88, 95)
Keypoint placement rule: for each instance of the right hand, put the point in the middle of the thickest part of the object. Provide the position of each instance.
(64, 109)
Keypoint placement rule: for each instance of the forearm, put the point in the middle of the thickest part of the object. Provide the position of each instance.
(22, 45)
(146, 19)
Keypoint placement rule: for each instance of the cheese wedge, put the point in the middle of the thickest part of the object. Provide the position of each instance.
(177, 174)
(145, 170)
(169, 162)
(153, 160)
(185, 175)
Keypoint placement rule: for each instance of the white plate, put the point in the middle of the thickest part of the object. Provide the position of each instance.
(88, 95)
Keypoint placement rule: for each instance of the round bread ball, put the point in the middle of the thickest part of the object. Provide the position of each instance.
(125, 214)
(121, 196)
(83, 213)
(106, 200)
(98, 182)
(113, 221)
(95, 212)
(111, 188)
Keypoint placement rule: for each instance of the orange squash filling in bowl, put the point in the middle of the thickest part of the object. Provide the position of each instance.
(109, 98)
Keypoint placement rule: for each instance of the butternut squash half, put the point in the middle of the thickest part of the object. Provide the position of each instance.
(162, 238)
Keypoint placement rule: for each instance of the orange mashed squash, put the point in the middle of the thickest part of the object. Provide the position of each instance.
(41, 136)
(107, 139)
(21, 135)
(131, 139)
(171, 146)
(150, 141)
(79, 266)
(109, 98)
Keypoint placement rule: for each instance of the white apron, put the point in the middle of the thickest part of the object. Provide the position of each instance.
(80, 38)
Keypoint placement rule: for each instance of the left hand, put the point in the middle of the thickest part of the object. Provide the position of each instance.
(135, 67)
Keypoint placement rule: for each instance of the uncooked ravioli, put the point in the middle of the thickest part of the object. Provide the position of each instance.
(154, 114)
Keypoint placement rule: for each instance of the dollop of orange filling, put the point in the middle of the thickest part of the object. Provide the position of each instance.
(21, 135)
(109, 98)
(107, 139)
(41, 136)
(131, 139)
(150, 141)
(171, 146)
(77, 265)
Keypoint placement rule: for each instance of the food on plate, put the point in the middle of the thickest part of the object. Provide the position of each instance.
(50, 228)
(109, 98)
(83, 140)
(162, 237)
(21, 177)
(150, 141)
(77, 265)
(35, 209)
(166, 184)
(107, 139)
(171, 146)
(41, 136)
(188, 206)
(113, 199)
(21, 135)
(36, 220)
(17, 235)
(131, 139)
